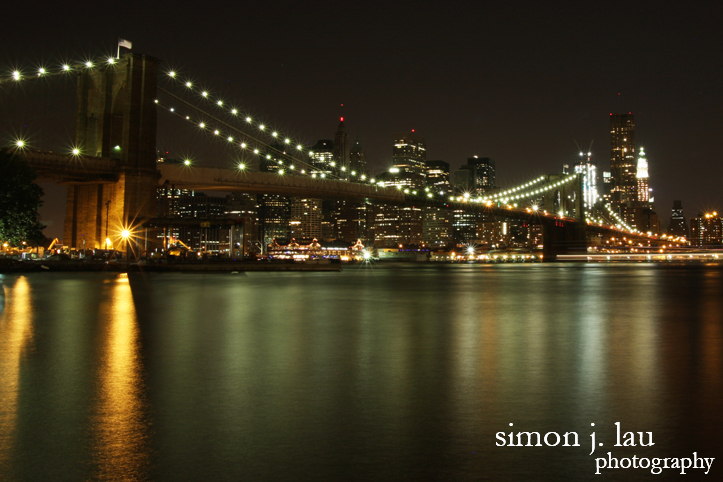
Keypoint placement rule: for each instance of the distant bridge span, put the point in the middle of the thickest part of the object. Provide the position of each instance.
(218, 179)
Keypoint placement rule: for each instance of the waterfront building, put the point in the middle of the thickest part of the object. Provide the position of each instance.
(395, 225)
(706, 230)
(437, 226)
(305, 219)
(274, 217)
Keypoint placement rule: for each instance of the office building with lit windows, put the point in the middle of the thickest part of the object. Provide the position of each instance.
(409, 154)
(678, 225)
(483, 174)
(588, 169)
(438, 177)
(622, 159)
(706, 230)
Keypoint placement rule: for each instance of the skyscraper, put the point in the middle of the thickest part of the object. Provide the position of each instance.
(341, 149)
(643, 187)
(706, 230)
(586, 166)
(483, 169)
(358, 160)
(678, 226)
(622, 159)
(408, 156)
(438, 177)
(322, 159)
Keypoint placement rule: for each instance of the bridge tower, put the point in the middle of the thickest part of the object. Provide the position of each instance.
(564, 236)
(116, 119)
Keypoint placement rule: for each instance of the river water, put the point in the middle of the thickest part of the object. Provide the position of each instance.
(375, 373)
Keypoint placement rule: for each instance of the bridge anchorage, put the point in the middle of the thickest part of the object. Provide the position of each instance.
(113, 174)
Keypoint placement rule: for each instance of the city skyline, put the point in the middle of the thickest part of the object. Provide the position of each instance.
(522, 92)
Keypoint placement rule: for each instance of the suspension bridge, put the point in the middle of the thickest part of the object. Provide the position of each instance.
(112, 170)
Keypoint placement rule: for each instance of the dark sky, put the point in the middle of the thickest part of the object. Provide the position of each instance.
(516, 83)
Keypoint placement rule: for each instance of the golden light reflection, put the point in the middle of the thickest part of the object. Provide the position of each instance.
(16, 334)
(120, 433)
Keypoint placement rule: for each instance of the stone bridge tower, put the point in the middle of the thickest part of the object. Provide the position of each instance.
(116, 119)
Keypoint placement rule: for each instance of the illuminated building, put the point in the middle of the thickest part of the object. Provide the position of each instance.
(438, 177)
(322, 160)
(706, 230)
(186, 204)
(346, 221)
(622, 159)
(395, 225)
(274, 212)
(408, 159)
(483, 174)
(607, 186)
(586, 166)
(643, 187)
(678, 226)
(274, 218)
(437, 226)
(305, 219)
(464, 226)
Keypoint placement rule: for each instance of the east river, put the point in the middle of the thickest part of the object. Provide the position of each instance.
(371, 374)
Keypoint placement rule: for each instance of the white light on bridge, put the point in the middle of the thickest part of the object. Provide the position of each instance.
(189, 84)
(204, 93)
(299, 147)
(202, 125)
(262, 127)
(171, 74)
(234, 111)
(230, 139)
(220, 102)
(42, 71)
(76, 151)
(248, 119)
(20, 143)
(275, 134)
(66, 67)
(256, 151)
(216, 132)
(111, 60)
(281, 172)
(243, 145)
(286, 141)
(242, 166)
(187, 162)
(16, 75)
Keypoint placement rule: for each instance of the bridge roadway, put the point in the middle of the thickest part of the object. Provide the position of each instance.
(217, 179)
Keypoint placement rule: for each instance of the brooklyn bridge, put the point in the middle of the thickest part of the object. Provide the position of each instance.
(113, 174)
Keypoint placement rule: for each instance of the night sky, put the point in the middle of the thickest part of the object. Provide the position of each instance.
(522, 85)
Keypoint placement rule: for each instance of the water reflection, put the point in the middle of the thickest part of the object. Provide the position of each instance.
(16, 335)
(119, 426)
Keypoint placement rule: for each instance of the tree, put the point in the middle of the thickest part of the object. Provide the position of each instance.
(20, 199)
